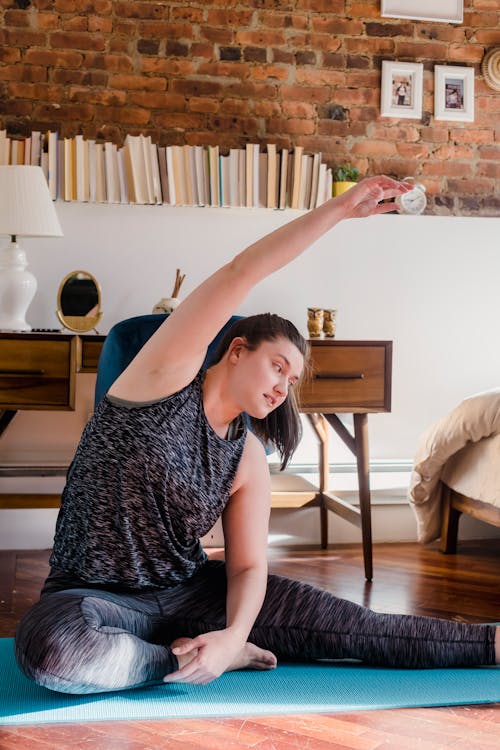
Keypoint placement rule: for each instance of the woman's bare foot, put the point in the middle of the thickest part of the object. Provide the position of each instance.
(250, 657)
(253, 657)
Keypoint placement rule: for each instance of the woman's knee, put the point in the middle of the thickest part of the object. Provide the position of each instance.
(47, 638)
(76, 643)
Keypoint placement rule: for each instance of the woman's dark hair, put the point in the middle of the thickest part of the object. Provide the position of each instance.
(282, 426)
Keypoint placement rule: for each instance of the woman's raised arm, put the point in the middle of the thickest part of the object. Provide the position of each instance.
(174, 354)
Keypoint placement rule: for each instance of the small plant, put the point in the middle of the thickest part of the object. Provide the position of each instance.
(345, 173)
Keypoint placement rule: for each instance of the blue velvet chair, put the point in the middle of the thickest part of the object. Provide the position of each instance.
(126, 338)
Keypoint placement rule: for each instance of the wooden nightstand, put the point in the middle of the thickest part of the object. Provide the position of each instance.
(38, 372)
(353, 377)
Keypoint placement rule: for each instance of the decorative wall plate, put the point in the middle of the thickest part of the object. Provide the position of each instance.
(490, 68)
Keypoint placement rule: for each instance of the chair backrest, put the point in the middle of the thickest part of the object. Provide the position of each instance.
(126, 338)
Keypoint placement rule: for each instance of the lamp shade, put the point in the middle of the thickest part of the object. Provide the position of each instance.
(26, 208)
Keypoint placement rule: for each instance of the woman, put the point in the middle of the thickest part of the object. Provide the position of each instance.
(131, 598)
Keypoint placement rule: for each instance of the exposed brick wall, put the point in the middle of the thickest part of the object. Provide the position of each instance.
(226, 72)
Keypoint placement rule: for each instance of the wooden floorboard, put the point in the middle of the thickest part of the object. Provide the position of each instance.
(409, 579)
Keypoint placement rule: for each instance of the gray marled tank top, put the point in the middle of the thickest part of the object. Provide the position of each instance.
(146, 482)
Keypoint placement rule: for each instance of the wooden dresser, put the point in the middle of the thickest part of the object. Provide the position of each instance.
(38, 371)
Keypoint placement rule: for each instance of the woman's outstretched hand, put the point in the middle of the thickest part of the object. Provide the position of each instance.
(364, 199)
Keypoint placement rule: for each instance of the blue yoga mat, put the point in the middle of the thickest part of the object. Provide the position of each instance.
(291, 688)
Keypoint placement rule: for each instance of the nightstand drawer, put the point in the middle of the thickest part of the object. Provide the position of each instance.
(350, 376)
(91, 351)
(38, 372)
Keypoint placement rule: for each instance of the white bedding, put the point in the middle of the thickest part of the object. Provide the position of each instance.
(463, 450)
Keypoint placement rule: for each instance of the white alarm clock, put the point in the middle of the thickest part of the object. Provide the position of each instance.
(414, 201)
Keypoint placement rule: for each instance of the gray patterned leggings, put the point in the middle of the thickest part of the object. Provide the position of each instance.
(84, 640)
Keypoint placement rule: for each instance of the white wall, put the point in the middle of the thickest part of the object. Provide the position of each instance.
(429, 284)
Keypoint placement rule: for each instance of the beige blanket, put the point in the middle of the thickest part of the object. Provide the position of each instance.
(463, 450)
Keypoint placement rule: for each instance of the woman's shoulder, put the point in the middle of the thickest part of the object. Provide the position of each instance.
(253, 457)
(189, 390)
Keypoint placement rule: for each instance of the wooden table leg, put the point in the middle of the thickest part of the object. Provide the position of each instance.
(361, 450)
(320, 427)
(449, 526)
(6, 417)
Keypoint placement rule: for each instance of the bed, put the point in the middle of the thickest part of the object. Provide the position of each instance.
(457, 470)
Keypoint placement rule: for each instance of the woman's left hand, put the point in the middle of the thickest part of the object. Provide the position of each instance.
(364, 198)
(205, 657)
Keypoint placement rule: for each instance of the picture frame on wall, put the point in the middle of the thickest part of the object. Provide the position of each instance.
(401, 91)
(447, 11)
(453, 93)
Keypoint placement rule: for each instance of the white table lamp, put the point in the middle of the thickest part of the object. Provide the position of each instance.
(26, 210)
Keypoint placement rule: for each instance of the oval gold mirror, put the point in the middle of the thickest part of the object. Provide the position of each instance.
(79, 302)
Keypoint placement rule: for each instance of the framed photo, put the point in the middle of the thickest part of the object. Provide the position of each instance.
(448, 11)
(453, 93)
(401, 89)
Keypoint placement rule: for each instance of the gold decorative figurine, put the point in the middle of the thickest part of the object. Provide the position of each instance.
(314, 322)
(329, 323)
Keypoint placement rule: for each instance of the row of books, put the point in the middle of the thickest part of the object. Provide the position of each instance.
(79, 169)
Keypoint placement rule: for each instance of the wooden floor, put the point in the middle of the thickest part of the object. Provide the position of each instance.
(408, 579)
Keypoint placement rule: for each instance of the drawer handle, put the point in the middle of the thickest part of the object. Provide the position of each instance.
(339, 376)
(22, 372)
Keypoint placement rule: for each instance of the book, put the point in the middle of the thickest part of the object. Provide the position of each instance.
(145, 141)
(155, 172)
(52, 139)
(282, 203)
(60, 169)
(242, 179)
(162, 166)
(201, 175)
(277, 185)
(262, 203)
(100, 174)
(329, 184)
(44, 164)
(82, 168)
(137, 168)
(321, 185)
(27, 151)
(189, 176)
(122, 176)
(214, 174)
(4, 148)
(252, 162)
(249, 162)
(234, 177)
(170, 176)
(272, 175)
(314, 181)
(179, 176)
(36, 143)
(297, 173)
(305, 181)
(129, 177)
(16, 151)
(92, 176)
(111, 173)
(67, 192)
(224, 181)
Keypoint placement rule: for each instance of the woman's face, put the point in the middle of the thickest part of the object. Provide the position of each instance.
(263, 377)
